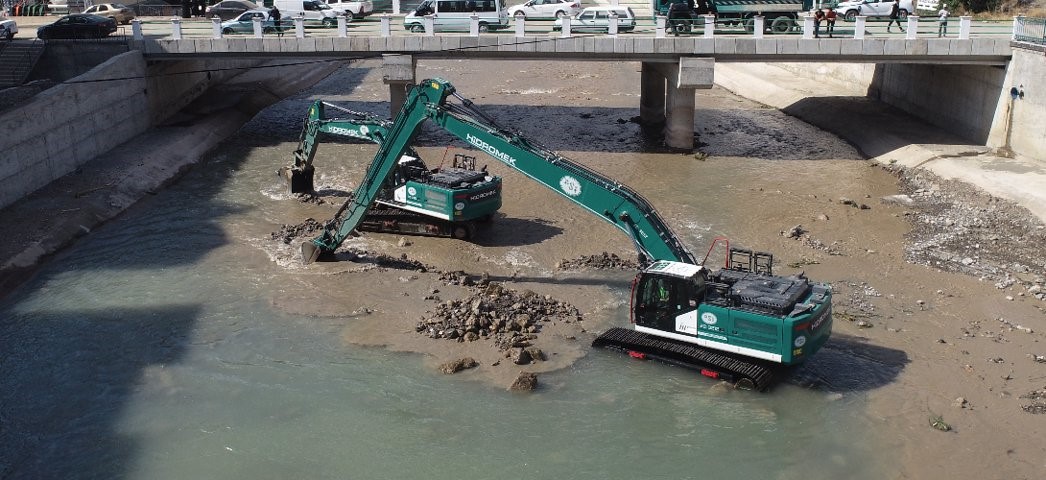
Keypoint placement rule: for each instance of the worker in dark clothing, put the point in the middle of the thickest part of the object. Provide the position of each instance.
(895, 16)
(277, 21)
(818, 18)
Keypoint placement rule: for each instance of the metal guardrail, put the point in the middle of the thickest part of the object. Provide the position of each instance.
(1031, 30)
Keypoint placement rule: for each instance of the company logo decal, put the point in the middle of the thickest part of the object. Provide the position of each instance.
(490, 149)
(482, 195)
(570, 186)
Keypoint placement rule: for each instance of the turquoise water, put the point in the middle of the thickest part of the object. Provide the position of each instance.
(151, 349)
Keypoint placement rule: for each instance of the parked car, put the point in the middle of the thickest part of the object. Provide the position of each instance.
(245, 23)
(78, 25)
(64, 7)
(597, 19)
(545, 9)
(116, 11)
(8, 29)
(311, 10)
(157, 8)
(456, 15)
(872, 8)
(356, 8)
(230, 9)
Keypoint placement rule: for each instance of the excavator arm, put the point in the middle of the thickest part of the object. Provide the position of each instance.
(359, 125)
(615, 203)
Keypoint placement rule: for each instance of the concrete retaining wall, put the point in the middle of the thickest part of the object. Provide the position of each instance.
(65, 126)
(961, 99)
(1020, 124)
(970, 101)
(65, 59)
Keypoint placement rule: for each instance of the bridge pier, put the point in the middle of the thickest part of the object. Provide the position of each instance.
(651, 97)
(397, 71)
(667, 97)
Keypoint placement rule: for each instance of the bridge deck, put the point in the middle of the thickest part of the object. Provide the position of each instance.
(981, 50)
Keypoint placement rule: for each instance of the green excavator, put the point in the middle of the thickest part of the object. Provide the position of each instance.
(413, 199)
(739, 323)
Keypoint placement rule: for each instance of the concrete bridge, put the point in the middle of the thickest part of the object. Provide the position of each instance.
(672, 67)
(988, 89)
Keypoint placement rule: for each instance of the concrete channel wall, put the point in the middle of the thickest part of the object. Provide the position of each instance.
(971, 101)
(87, 115)
(65, 126)
(1019, 122)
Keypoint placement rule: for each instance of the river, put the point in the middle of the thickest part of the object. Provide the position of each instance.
(180, 341)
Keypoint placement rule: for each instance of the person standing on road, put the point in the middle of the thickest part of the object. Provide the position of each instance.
(276, 17)
(829, 18)
(942, 21)
(818, 17)
(895, 16)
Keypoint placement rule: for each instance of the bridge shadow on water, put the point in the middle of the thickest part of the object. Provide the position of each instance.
(66, 379)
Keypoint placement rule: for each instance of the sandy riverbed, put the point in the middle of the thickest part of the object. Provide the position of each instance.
(938, 290)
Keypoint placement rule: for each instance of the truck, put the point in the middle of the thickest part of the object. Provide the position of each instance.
(739, 323)
(781, 16)
(413, 199)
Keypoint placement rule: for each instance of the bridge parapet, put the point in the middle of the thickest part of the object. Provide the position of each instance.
(980, 50)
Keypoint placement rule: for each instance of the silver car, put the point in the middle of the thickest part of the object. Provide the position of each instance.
(545, 9)
(597, 19)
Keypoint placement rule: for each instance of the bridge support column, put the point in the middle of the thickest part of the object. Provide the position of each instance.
(397, 71)
(667, 94)
(651, 96)
(679, 118)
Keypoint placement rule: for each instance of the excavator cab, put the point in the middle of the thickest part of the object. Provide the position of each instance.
(665, 291)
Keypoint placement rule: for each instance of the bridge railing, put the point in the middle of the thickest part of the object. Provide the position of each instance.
(1024, 28)
(1028, 29)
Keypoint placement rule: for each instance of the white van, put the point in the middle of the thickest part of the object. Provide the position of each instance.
(454, 15)
(312, 10)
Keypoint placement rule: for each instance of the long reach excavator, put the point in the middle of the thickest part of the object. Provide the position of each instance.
(739, 323)
(413, 199)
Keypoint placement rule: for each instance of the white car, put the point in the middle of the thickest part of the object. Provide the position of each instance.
(8, 29)
(872, 8)
(356, 8)
(545, 9)
(597, 19)
(63, 7)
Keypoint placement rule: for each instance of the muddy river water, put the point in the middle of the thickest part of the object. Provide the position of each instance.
(182, 341)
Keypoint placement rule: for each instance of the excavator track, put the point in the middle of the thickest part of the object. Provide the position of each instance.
(711, 363)
(386, 219)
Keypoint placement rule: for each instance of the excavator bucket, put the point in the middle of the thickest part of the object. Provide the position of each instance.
(310, 252)
(301, 179)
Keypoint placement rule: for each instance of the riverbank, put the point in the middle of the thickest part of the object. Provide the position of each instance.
(68, 208)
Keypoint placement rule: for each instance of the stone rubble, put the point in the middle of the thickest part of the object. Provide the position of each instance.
(606, 261)
(510, 320)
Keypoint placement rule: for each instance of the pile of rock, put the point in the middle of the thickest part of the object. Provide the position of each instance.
(606, 261)
(287, 233)
(511, 319)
